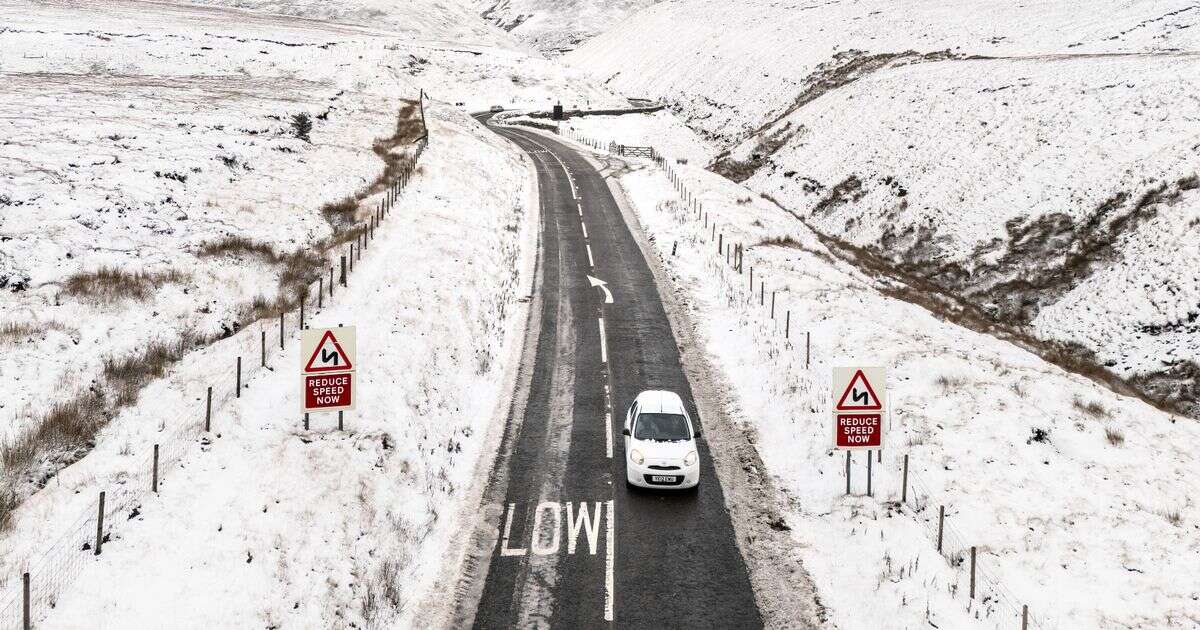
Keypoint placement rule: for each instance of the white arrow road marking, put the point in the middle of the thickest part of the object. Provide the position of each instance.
(596, 282)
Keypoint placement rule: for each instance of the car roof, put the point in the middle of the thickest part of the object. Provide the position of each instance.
(658, 401)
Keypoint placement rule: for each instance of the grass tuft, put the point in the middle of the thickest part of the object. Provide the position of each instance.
(1114, 436)
(110, 284)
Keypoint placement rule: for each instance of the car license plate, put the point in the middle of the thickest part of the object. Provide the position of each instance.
(663, 478)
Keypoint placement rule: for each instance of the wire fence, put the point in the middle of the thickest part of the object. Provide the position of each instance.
(42, 578)
(990, 602)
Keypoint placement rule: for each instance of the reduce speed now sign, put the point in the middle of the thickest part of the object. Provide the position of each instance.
(328, 358)
(859, 407)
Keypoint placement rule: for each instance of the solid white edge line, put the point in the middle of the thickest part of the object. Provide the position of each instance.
(603, 343)
(591, 263)
(608, 563)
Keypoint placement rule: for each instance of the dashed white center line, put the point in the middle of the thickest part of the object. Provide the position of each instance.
(591, 263)
(603, 343)
(584, 229)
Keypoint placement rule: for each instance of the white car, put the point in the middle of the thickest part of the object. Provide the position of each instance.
(660, 443)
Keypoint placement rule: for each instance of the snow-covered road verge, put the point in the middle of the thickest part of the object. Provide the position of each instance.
(325, 529)
(1079, 501)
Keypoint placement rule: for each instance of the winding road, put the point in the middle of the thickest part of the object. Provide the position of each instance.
(569, 544)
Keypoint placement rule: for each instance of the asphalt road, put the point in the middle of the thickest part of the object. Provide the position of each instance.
(576, 548)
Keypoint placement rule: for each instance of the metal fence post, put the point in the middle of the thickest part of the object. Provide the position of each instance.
(904, 483)
(281, 331)
(154, 483)
(238, 394)
(208, 411)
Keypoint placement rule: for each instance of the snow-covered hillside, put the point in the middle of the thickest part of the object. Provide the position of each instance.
(557, 26)
(150, 172)
(1038, 160)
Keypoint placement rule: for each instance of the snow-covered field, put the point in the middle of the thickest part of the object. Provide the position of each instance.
(1037, 160)
(136, 133)
(293, 528)
(1091, 526)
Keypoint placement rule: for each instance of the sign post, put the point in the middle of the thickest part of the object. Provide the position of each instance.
(327, 374)
(859, 396)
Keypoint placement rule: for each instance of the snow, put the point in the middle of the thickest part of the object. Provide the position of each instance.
(557, 26)
(939, 133)
(293, 527)
(105, 98)
(1076, 527)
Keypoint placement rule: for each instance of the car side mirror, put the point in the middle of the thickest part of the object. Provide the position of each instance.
(624, 431)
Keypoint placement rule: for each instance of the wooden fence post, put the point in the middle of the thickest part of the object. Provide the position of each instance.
(751, 282)
(302, 312)
(847, 473)
(787, 326)
(320, 292)
(239, 378)
(351, 257)
(305, 421)
(331, 283)
(264, 347)
(154, 483)
(281, 330)
(972, 572)
(100, 524)
(941, 525)
(26, 615)
(807, 348)
(904, 483)
(340, 425)
(773, 305)
(208, 412)
(720, 241)
(343, 258)
(1025, 617)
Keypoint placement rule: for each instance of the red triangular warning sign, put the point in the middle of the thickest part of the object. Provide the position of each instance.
(861, 394)
(329, 356)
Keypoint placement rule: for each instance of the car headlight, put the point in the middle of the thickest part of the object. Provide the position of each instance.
(636, 456)
(691, 458)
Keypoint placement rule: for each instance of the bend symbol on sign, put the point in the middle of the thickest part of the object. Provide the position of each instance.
(329, 356)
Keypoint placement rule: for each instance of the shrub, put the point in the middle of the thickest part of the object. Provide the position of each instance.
(302, 125)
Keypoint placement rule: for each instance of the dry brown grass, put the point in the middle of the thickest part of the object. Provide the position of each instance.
(1114, 436)
(1091, 408)
(780, 241)
(17, 331)
(234, 245)
(110, 284)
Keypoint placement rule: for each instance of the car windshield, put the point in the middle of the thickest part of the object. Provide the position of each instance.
(661, 426)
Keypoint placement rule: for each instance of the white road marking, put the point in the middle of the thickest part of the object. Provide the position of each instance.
(504, 550)
(584, 229)
(603, 343)
(580, 209)
(608, 564)
(591, 263)
(608, 432)
(591, 526)
(535, 544)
